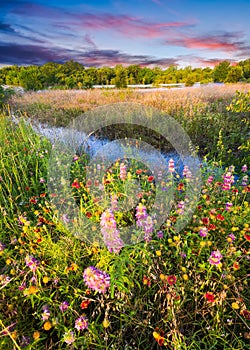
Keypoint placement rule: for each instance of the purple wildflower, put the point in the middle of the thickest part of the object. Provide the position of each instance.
(160, 234)
(215, 257)
(244, 168)
(186, 172)
(69, 337)
(81, 323)
(181, 206)
(123, 172)
(111, 235)
(231, 237)
(114, 202)
(228, 206)
(64, 306)
(2, 246)
(228, 179)
(203, 232)
(210, 179)
(32, 263)
(46, 313)
(96, 279)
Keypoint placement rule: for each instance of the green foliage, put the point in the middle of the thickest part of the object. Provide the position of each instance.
(221, 71)
(73, 75)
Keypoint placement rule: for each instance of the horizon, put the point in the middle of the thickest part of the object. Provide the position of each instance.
(109, 32)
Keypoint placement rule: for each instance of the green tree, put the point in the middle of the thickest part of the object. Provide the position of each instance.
(221, 71)
(234, 75)
(120, 76)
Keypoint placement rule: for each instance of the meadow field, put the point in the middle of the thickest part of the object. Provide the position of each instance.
(173, 289)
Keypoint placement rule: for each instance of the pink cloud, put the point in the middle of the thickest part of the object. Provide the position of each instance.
(228, 42)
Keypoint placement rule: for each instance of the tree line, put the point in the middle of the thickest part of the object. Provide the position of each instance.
(73, 75)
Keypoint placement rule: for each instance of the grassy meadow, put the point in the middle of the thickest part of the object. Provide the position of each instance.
(176, 290)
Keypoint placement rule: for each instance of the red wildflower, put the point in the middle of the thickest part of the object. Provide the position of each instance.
(235, 190)
(209, 297)
(151, 178)
(212, 227)
(246, 314)
(88, 214)
(220, 217)
(247, 237)
(180, 187)
(85, 303)
(75, 184)
(146, 281)
(171, 279)
(139, 171)
(205, 221)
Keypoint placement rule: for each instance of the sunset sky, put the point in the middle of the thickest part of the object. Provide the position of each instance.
(109, 32)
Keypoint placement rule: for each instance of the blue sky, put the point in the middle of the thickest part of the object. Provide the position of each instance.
(110, 32)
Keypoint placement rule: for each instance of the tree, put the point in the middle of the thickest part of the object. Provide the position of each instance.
(234, 75)
(120, 76)
(30, 78)
(221, 71)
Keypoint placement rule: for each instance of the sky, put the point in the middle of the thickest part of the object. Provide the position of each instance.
(109, 32)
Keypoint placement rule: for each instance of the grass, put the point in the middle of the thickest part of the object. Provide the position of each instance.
(185, 289)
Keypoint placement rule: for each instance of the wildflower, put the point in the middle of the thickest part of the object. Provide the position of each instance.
(36, 335)
(81, 323)
(123, 172)
(235, 306)
(32, 263)
(228, 206)
(2, 247)
(209, 297)
(210, 179)
(111, 235)
(228, 179)
(215, 257)
(171, 166)
(146, 281)
(244, 180)
(160, 234)
(185, 277)
(96, 279)
(220, 217)
(186, 172)
(141, 214)
(231, 237)
(244, 168)
(25, 341)
(151, 178)
(85, 304)
(159, 337)
(171, 279)
(203, 232)
(114, 202)
(247, 236)
(69, 337)
(236, 266)
(46, 313)
(47, 326)
(246, 314)
(32, 290)
(105, 323)
(45, 279)
(75, 184)
(231, 168)
(181, 206)
(64, 306)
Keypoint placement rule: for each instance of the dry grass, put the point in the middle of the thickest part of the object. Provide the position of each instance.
(171, 101)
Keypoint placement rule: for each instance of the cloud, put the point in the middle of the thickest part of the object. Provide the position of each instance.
(99, 58)
(29, 54)
(89, 41)
(129, 26)
(227, 42)
(6, 28)
(34, 54)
